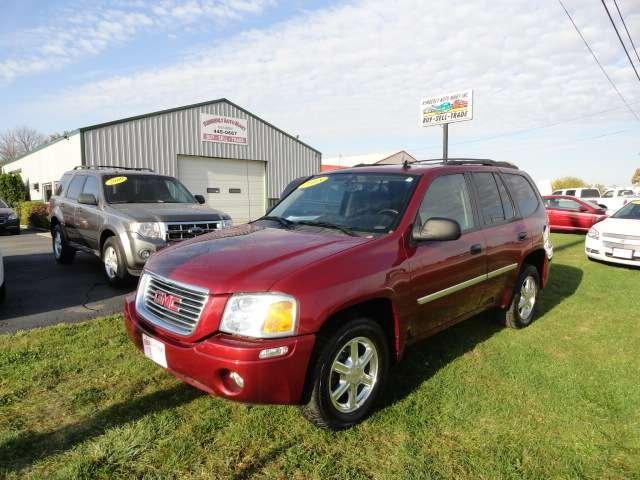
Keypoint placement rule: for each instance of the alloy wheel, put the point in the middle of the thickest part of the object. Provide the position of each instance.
(57, 244)
(110, 260)
(528, 293)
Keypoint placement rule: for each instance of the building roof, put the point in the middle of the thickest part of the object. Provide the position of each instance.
(396, 157)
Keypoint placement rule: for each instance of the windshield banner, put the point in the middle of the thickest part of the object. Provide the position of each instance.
(449, 108)
(216, 128)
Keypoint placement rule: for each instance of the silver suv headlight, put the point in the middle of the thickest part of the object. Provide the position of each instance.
(227, 223)
(260, 315)
(152, 230)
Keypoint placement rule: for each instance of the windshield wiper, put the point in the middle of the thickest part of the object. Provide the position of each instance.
(333, 226)
(282, 221)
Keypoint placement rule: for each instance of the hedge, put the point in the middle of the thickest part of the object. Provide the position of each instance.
(34, 214)
(12, 188)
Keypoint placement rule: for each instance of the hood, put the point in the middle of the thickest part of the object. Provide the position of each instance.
(168, 212)
(247, 258)
(7, 210)
(619, 226)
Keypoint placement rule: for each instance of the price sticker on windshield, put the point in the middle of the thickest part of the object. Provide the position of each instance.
(115, 181)
(313, 182)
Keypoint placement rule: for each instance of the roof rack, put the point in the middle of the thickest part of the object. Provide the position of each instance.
(463, 161)
(112, 167)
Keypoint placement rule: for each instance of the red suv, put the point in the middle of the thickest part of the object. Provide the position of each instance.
(312, 303)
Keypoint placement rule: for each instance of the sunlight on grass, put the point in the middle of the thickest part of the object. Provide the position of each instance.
(560, 399)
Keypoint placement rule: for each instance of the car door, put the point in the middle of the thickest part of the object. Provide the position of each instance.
(68, 207)
(447, 276)
(503, 231)
(88, 217)
(570, 215)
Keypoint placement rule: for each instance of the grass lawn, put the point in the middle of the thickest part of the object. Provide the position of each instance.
(560, 399)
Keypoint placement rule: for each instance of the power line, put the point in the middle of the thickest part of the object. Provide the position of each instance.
(627, 30)
(598, 61)
(624, 47)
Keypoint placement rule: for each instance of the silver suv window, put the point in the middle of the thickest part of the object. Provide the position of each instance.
(76, 187)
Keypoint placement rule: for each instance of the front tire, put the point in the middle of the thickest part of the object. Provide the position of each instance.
(348, 375)
(521, 311)
(114, 263)
(62, 252)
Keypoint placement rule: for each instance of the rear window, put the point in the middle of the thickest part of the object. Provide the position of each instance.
(589, 193)
(489, 198)
(571, 192)
(523, 194)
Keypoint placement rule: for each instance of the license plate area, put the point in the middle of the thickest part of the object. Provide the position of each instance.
(622, 253)
(154, 350)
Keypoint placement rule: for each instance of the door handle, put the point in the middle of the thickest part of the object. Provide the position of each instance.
(522, 236)
(475, 249)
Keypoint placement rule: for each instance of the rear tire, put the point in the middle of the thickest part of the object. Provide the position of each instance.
(114, 264)
(62, 252)
(344, 391)
(521, 311)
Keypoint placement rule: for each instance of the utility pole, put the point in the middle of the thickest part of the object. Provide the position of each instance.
(445, 142)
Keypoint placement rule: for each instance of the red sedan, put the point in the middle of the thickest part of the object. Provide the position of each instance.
(571, 214)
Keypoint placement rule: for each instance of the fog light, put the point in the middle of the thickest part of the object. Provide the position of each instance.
(273, 352)
(144, 254)
(237, 379)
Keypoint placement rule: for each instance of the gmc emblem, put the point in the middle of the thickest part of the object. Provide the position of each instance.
(167, 301)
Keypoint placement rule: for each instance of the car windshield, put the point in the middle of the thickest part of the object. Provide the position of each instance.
(590, 193)
(630, 211)
(366, 202)
(144, 189)
(2, 204)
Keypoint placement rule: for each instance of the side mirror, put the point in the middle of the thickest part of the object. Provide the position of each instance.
(199, 198)
(438, 230)
(87, 199)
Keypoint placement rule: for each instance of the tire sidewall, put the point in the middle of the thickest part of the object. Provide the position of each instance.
(358, 328)
(529, 271)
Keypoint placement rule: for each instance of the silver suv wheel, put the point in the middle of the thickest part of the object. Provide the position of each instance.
(354, 374)
(57, 244)
(110, 259)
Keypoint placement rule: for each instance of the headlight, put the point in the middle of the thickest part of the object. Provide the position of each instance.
(148, 229)
(227, 223)
(13, 216)
(260, 315)
(593, 233)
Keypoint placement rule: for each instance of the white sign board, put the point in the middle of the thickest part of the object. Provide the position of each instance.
(449, 108)
(216, 128)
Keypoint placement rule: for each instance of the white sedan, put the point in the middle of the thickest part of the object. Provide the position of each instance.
(616, 239)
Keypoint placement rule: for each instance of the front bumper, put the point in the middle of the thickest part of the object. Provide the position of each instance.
(206, 364)
(11, 225)
(595, 249)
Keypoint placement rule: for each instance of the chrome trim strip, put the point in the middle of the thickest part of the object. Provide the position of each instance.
(468, 283)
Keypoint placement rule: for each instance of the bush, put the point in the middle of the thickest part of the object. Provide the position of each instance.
(34, 214)
(12, 188)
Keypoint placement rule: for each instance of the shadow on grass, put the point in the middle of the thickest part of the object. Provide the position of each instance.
(572, 243)
(23, 451)
(423, 359)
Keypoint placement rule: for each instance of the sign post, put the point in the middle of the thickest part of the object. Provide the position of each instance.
(446, 109)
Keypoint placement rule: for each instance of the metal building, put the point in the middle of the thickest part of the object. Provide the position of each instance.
(238, 161)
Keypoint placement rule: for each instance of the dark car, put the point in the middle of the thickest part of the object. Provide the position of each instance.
(572, 215)
(312, 303)
(9, 221)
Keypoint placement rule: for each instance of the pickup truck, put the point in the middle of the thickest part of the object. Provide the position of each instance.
(616, 198)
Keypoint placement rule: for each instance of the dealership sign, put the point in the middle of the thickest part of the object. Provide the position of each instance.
(216, 128)
(449, 108)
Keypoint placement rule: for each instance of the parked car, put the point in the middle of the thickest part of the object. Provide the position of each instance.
(616, 198)
(579, 192)
(312, 303)
(570, 214)
(3, 289)
(125, 215)
(9, 221)
(617, 239)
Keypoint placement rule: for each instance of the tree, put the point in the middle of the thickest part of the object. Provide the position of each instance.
(635, 180)
(12, 188)
(17, 141)
(568, 182)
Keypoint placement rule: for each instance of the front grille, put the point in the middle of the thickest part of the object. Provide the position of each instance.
(621, 236)
(3, 217)
(180, 230)
(171, 305)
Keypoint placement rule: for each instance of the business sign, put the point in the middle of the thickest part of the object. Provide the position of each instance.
(216, 128)
(450, 108)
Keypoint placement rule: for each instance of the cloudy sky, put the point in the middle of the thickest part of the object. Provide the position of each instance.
(345, 76)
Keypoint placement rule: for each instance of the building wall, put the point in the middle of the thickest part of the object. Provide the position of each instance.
(156, 141)
(48, 163)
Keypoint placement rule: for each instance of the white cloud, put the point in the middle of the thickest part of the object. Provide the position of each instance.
(90, 30)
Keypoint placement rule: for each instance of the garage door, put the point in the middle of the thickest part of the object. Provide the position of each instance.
(236, 187)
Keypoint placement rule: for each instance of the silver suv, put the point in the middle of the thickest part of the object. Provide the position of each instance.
(123, 215)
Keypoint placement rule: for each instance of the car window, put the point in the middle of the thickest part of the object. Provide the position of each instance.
(570, 192)
(589, 193)
(567, 204)
(608, 194)
(447, 197)
(557, 192)
(507, 203)
(76, 186)
(488, 197)
(631, 211)
(144, 189)
(625, 193)
(3, 204)
(91, 187)
(523, 193)
(62, 184)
